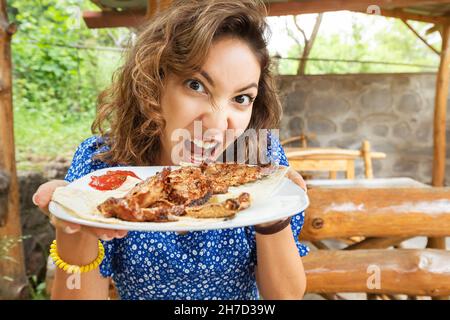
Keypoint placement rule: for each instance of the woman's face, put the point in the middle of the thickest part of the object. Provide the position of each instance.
(196, 129)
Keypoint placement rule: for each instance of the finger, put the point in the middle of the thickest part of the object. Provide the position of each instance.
(121, 234)
(297, 178)
(299, 181)
(43, 194)
(65, 226)
(104, 234)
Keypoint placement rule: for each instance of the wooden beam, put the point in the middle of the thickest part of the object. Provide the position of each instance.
(378, 212)
(400, 14)
(410, 27)
(155, 6)
(114, 19)
(440, 111)
(127, 18)
(403, 271)
(13, 281)
(315, 6)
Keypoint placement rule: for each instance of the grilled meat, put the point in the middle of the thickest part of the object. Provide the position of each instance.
(225, 209)
(225, 175)
(184, 191)
(187, 186)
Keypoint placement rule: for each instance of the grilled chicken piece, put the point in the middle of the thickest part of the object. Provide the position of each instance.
(188, 186)
(143, 195)
(225, 175)
(148, 191)
(225, 209)
(159, 211)
(160, 197)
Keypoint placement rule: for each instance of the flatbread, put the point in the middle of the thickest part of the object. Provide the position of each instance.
(83, 202)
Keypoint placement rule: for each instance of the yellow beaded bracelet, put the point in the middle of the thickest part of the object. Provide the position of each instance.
(69, 268)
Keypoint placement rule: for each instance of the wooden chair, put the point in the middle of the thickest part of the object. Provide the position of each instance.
(302, 138)
(332, 160)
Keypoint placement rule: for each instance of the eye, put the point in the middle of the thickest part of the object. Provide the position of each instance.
(244, 99)
(195, 85)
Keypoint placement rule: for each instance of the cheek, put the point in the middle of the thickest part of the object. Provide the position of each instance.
(240, 120)
(179, 111)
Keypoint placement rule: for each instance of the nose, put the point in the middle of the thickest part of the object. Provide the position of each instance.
(216, 118)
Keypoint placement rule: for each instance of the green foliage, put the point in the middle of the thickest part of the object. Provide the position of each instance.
(57, 75)
(371, 39)
(38, 289)
(51, 78)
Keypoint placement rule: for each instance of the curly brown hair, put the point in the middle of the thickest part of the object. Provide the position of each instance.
(177, 41)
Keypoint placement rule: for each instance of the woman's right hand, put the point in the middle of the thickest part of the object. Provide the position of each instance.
(42, 199)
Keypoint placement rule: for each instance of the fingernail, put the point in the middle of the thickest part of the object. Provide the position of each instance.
(70, 230)
(34, 199)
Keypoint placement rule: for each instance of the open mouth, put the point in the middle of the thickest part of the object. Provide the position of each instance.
(200, 151)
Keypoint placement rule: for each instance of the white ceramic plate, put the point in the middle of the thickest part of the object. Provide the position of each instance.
(286, 199)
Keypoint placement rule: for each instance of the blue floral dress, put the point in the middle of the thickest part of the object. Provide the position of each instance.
(200, 265)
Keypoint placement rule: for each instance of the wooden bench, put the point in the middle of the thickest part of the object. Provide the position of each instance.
(384, 217)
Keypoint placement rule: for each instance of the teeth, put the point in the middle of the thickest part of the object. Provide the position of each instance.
(206, 148)
(202, 144)
(199, 158)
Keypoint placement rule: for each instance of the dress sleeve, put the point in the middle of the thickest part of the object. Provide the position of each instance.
(82, 164)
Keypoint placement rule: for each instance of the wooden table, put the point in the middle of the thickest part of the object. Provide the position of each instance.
(367, 183)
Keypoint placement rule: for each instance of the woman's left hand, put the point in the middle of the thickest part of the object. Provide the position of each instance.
(297, 179)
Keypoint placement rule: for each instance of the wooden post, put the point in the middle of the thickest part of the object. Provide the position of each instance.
(440, 110)
(365, 150)
(13, 281)
(440, 119)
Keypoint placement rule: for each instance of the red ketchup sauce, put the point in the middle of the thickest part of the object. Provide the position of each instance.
(111, 180)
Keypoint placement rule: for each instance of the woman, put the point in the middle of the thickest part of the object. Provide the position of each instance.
(197, 62)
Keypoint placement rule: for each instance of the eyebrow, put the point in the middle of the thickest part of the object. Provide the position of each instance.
(211, 82)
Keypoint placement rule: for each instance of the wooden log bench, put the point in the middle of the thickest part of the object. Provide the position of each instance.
(383, 217)
(378, 212)
(403, 271)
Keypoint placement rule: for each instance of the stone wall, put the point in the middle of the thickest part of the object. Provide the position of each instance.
(393, 111)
